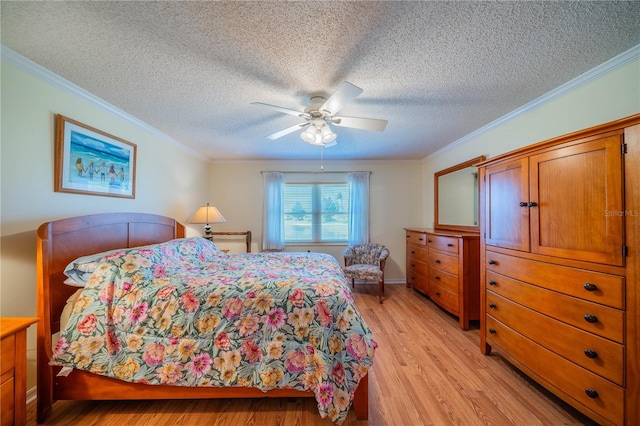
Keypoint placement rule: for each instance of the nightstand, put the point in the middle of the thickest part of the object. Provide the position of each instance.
(13, 369)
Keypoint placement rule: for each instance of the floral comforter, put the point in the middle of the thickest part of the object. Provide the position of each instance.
(183, 313)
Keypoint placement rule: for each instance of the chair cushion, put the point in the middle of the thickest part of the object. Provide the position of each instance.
(363, 272)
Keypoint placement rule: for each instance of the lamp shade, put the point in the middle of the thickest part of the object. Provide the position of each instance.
(208, 214)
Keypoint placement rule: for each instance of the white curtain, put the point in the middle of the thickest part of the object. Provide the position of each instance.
(359, 208)
(273, 226)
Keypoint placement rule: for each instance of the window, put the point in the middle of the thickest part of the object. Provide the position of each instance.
(316, 212)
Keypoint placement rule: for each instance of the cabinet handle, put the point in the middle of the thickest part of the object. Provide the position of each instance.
(590, 353)
(429, 241)
(492, 330)
(590, 318)
(437, 260)
(493, 282)
(438, 277)
(591, 393)
(590, 287)
(492, 305)
(492, 262)
(420, 238)
(532, 204)
(523, 204)
(449, 245)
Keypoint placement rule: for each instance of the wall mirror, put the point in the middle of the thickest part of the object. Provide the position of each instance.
(456, 197)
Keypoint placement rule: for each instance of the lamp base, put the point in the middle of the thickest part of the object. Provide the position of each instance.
(207, 232)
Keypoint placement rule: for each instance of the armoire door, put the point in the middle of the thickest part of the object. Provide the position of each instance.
(578, 209)
(507, 218)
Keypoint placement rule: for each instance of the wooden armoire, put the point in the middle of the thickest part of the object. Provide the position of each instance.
(560, 266)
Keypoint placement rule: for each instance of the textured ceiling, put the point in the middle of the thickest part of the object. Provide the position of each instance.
(436, 71)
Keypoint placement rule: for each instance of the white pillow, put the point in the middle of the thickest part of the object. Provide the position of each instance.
(79, 271)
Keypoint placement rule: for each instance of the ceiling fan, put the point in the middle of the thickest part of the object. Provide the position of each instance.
(320, 112)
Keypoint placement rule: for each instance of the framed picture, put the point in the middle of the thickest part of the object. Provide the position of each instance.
(89, 161)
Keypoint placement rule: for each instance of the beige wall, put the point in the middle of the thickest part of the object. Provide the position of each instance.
(170, 180)
(611, 96)
(395, 202)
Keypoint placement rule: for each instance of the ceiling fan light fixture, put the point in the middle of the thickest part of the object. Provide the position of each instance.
(327, 135)
(309, 134)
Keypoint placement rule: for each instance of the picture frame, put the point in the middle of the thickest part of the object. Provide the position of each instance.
(90, 161)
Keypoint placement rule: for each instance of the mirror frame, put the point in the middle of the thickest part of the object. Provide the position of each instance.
(436, 176)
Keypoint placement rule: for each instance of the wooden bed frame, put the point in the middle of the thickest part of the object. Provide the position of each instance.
(62, 241)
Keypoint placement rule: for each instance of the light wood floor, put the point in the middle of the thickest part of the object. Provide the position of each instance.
(426, 372)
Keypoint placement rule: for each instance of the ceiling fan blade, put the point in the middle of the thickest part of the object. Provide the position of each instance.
(374, 124)
(341, 97)
(286, 131)
(281, 109)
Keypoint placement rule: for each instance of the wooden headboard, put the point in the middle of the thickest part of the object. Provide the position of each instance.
(62, 241)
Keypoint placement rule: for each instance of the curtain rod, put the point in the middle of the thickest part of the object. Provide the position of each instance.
(324, 172)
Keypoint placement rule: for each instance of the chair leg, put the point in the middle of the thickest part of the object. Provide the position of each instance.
(380, 290)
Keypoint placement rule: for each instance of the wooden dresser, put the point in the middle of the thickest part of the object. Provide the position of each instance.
(13, 370)
(560, 228)
(444, 265)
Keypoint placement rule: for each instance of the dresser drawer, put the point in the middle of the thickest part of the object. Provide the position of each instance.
(415, 267)
(417, 252)
(444, 280)
(7, 353)
(443, 297)
(443, 262)
(570, 378)
(609, 289)
(602, 356)
(419, 238)
(418, 282)
(440, 242)
(607, 322)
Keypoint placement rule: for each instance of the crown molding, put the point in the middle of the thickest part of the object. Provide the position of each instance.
(13, 58)
(601, 70)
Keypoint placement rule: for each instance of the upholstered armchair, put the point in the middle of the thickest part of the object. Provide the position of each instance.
(366, 262)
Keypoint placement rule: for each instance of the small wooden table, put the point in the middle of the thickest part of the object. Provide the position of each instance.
(13, 369)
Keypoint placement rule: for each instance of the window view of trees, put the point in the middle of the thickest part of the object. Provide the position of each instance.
(316, 212)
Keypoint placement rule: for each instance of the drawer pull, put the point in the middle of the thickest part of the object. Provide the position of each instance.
(449, 245)
(590, 318)
(590, 353)
(523, 204)
(591, 393)
(492, 262)
(590, 287)
(421, 238)
(532, 204)
(438, 277)
(413, 265)
(437, 260)
(492, 330)
(437, 293)
(413, 252)
(492, 305)
(493, 282)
